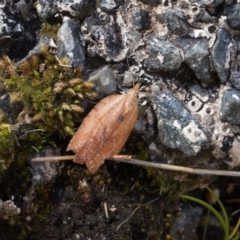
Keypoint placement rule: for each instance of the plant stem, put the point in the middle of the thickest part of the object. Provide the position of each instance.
(151, 164)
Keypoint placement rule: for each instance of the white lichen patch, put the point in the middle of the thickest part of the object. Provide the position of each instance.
(235, 153)
(194, 104)
(193, 133)
(8, 209)
(177, 124)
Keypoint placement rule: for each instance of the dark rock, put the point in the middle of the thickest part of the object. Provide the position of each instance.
(235, 74)
(175, 23)
(101, 37)
(109, 4)
(176, 126)
(232, 12)
(162, 56)
(196, 55)
(43, 41)
(220, 54)
(49, 9)
(46, 8)
(203, 3)
(45, 171)
(69, 43)
(230, 105)
(186, 224)
(104, 80)
(17, 36)
(205, 17)
(140, 19)
(227, 143)
(73, 7)
(153, 3)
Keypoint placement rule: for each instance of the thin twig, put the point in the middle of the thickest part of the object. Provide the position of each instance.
(179, 168)
(152, 164)
(52, 158)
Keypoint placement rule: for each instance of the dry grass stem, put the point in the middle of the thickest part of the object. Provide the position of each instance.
(152, 164)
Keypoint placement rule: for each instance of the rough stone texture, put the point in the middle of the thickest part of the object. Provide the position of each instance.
(42, 172)
(186, 52)
(186, 223)
(232, 11)
(183, 48)
(196, 57)
(69, 44)
(230, 105)
(105, 81)
(220, 54)
(162, 56)
(176, 24)
(8, 209)
(176, 126)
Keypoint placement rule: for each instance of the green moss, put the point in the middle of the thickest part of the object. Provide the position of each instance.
(49, 30)
(41, 202)
(49, 92)
(6, 144)
(165, 183)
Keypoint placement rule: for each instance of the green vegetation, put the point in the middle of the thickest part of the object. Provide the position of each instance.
(234, 234)
(49, 93)
(6, 145)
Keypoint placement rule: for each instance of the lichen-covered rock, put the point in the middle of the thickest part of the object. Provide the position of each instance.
(176, 126)
(221, 54)
(104, 80)
(69, 43)
(45, 171)
(101, 38)
(8, 209)
(109, 4)
(162, 55)
(186, 52)
(230, 105)
(235, 73)
(232, 11)
(140, 19)
(46, 9)
(17, 35)
(204, 3)
(196, 55)
(50, 9)
(175, 21)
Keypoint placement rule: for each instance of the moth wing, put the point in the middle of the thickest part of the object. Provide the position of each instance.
(88, 139)
(116, 130)
(105, 130)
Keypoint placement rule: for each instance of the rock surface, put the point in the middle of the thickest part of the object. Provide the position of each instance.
(184, 53)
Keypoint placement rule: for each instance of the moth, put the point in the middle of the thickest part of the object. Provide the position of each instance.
(105, 129)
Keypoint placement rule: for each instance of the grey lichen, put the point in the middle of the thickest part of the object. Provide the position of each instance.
(8, 209)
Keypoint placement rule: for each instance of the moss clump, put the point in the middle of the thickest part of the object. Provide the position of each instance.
(49, 90)
(49, 30)
(6, 145)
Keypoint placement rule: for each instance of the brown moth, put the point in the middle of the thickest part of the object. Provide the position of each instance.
(105, 129)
